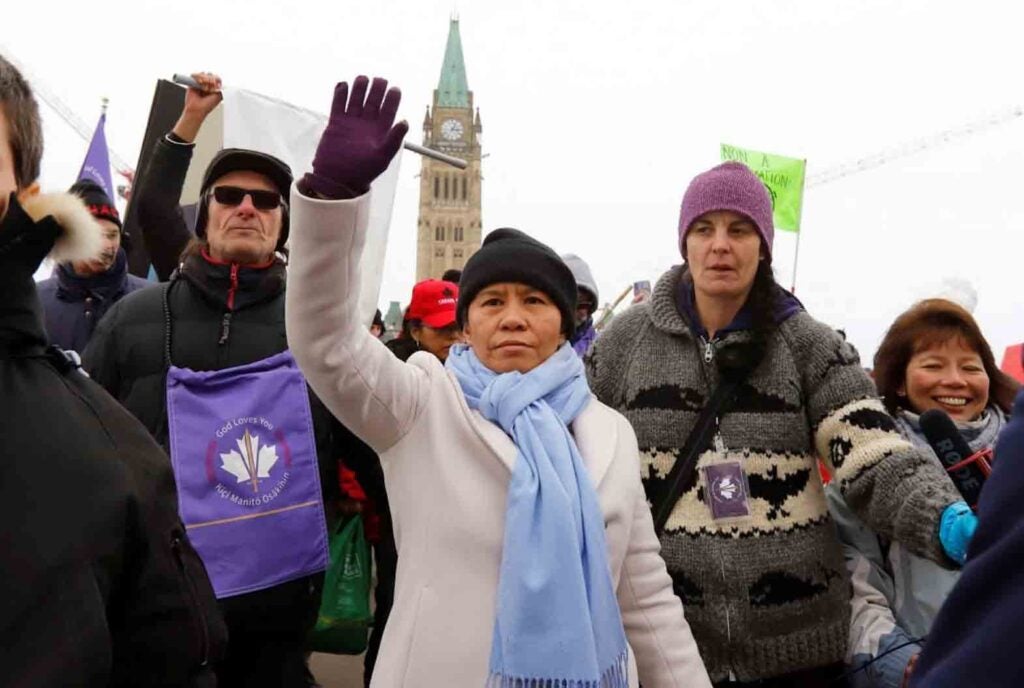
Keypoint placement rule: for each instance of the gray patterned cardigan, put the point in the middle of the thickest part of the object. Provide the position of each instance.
(768, 594)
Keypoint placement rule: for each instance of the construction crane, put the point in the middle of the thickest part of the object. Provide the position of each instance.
(63, 111)
(913, 147)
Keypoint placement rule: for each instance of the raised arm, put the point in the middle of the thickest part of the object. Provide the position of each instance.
(374, 394)
(158, 193)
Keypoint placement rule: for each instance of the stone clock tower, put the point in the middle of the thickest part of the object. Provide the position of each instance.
(448, 231)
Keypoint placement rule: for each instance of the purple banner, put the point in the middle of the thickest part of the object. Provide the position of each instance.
(245, 463)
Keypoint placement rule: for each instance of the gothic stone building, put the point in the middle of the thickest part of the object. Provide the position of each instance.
(449, 219)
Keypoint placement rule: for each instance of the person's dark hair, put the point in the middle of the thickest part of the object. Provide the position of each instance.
(452, 275)
(763, 300)
(927, 323)
(24, 127)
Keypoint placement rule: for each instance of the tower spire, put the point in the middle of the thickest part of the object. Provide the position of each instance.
(452, 87)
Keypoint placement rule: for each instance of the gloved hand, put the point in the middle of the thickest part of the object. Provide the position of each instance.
(956, 528)
(359, 141)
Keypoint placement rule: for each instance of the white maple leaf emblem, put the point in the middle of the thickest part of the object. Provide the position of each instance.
(727, 488)
(251, 462)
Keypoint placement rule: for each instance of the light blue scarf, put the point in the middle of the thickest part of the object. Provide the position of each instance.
(557, 618)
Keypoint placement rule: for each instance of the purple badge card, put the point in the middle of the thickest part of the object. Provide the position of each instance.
(726, 487)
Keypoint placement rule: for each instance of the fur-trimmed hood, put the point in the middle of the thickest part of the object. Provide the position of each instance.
(81, 237)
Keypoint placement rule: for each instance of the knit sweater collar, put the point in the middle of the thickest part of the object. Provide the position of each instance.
(674, 311)
(664, 313)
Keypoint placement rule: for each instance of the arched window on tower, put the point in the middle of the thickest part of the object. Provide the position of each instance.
(463, 188)
(446, 186)
(458, 234)
(437, 187)
(439, 234)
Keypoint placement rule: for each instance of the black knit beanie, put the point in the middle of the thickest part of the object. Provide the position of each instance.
(99, 203)
(508, 255)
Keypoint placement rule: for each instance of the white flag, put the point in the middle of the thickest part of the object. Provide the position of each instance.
(258, 122)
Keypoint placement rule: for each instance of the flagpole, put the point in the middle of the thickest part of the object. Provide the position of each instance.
(799, 227)
(105, 103)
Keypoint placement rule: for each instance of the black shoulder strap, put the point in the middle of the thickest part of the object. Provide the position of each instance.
(168, 320)
(696, 443)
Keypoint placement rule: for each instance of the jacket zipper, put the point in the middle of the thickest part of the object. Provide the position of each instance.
(225, 323)
(234, 286)
(709, 350)
(719, 445)
(199, 619)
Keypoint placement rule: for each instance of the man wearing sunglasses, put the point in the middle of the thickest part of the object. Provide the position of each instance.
(203, 362)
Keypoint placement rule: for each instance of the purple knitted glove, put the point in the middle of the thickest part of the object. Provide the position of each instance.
(359, 141)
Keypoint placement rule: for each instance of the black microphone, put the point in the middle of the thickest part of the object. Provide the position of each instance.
(951, 448)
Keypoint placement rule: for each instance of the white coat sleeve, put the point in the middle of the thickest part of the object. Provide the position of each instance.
(364, 385)
(666, 652)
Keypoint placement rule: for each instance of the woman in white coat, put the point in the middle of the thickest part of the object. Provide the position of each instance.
(527, 552)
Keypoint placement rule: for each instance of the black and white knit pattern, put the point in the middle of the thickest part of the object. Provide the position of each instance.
(767, 594)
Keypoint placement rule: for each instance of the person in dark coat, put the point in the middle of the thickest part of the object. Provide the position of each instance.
(78, 294)
(101, 586)
(976, 637)
(225, 305)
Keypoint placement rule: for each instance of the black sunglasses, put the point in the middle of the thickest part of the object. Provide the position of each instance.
(234, 195)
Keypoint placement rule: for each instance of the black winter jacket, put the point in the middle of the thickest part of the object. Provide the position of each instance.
(100, 586)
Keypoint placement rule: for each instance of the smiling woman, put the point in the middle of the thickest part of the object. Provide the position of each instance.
(933, 357)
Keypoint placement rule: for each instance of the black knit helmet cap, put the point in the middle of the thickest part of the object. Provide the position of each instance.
(509, 255)
(235, 159)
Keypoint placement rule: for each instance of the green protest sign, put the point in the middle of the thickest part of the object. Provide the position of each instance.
(784, 178)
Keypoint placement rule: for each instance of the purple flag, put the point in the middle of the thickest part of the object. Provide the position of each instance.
(96, 167)
(246, 468)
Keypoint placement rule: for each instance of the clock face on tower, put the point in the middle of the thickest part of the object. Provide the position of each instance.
(451, 129)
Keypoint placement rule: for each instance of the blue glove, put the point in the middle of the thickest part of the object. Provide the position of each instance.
(956, 528)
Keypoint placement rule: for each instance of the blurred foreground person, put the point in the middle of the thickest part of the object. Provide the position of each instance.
(496, 585)
(734, 392)
(976, 638)
(932, 357)
(101, 586)
(80, 293)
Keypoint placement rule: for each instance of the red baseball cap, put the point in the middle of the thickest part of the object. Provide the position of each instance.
(433, 303)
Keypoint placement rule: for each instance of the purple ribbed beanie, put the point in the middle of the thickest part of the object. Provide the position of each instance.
(729, 186)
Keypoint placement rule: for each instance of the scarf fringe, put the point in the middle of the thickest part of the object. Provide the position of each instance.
(615, 676)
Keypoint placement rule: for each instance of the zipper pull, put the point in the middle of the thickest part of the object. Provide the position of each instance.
(709, 351)
(225, 329)
(719, 442)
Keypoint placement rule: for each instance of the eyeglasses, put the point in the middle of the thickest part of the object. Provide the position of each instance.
(234, 195)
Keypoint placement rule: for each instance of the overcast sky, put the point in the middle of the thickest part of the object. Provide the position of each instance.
(597, 114)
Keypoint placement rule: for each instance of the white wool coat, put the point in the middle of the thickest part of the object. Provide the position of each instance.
(447, 471)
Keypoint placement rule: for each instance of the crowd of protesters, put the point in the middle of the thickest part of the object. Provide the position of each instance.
(553, 504)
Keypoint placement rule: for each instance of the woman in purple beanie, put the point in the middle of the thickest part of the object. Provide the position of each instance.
(724, 374)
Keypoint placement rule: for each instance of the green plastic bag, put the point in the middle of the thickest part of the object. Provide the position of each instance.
(342, 627)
